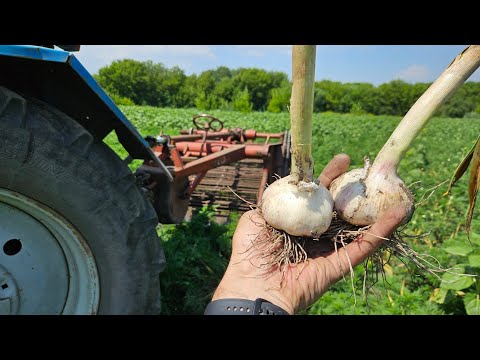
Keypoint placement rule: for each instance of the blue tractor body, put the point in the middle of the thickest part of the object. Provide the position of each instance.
(58, 78)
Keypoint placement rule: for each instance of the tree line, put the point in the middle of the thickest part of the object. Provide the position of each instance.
(131, 82)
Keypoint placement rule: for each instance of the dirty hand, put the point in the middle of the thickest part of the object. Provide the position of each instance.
(302, 285)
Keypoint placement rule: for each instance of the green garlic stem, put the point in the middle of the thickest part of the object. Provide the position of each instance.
(425, 107)
(301, 109)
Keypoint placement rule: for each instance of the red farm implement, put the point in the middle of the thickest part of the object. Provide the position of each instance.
(208, 162)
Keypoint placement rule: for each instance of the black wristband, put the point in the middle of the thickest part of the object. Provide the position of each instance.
(243, 307)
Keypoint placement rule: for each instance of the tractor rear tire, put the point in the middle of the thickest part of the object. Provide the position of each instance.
(47, 156)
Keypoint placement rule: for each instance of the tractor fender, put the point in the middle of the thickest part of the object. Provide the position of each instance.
(58, 78)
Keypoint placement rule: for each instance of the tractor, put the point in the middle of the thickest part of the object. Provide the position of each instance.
(77, 226)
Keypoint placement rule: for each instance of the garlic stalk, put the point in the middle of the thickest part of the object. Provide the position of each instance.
(296, 204)
(361, 195)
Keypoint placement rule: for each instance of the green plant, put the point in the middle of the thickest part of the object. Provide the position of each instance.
(280, 99)
(197, 254)
(357, 109)
(121, 100)
(459, 290)
(241, 101)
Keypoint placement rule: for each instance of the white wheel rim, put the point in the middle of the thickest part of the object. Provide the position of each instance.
(46, 266)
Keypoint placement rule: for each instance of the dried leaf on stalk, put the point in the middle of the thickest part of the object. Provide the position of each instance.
(461, 168)
(473, 184)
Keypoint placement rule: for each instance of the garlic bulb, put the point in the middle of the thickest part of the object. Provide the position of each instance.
(362, 195)
(302, 209)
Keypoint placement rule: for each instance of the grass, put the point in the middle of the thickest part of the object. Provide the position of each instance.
(197, 252)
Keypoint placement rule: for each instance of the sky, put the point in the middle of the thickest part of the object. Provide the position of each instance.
(375, 64)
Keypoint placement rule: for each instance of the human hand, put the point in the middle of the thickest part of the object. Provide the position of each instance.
(303, 284)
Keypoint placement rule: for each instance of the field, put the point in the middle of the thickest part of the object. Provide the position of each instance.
(197, 252)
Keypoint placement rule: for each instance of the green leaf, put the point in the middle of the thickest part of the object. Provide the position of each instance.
(439, 295)
(472, 304)
(475, 238)
(461, 249)
(457, 281)
(474, 260)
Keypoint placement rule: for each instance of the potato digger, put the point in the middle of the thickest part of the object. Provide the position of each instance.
(77, 226)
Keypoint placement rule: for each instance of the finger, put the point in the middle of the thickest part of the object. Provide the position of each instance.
(249, 226)
(366, 244)
(248, 217)
(336, 167)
